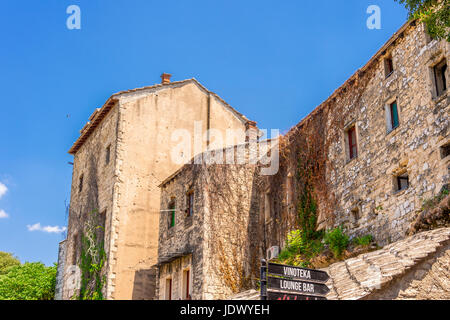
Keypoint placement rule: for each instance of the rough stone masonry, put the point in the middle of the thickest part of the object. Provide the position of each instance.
(379, 145)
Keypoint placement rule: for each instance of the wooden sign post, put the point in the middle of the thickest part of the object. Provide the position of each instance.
(283, 282)
(263, 279)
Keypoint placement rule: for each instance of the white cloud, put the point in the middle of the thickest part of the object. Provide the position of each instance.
(3, 190)
(3, 214)
(47, 229)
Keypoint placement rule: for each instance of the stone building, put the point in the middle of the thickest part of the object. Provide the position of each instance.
(368, 156)
(208, 225)
(125, 150)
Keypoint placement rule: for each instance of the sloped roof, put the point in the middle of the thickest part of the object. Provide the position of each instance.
(100, 113)
(358, 74)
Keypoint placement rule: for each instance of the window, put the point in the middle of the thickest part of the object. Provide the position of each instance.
(392, 119)
(172, 211)
(267, 207)
(108, 154)
(445, 151)
(168, 289)
(440, 79)
(186, 285)
(100, 230)
(401, 182)
(190, 204)
(352, 143)
(289, 186)
(388, 66)
(80, 184)
(76, 246)
(355, 215)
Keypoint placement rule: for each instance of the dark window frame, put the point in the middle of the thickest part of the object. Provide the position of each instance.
(352, 143)
(398, 182)
(108, 154)
(394, 124)
(440, 78)
(190, 203)
(172, 214)
(445, 150)
(80, 183)
(389, 66)
(188, 275)
(169, 281)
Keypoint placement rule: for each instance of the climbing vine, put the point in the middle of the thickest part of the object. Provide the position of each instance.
(93, 258)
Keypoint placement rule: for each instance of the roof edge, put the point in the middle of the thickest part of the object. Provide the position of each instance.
(99, 114)
(356, 74)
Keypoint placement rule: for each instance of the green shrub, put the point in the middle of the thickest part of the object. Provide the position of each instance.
(7, 260)
(30, 281)
(363, 241)
(298, 245)
(294, 245)
(337, 240)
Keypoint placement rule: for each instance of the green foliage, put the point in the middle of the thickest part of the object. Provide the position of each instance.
(337, 240)
(434, 13)
(7, 260)
(304, 243)
(363, 241)
(299, 246)
(93, 259)
(30, 281)
(433, 202)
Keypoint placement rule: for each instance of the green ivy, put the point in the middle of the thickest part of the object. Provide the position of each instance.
(93, 259)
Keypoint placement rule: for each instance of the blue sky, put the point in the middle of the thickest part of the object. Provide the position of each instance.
(274, 61)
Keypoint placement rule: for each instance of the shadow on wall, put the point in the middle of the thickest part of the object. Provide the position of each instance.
(144, 286)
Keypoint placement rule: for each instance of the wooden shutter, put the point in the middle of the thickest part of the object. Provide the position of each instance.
(394, 115)
(387, 111)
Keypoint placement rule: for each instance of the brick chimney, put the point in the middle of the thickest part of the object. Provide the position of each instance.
(165, 78)
(251, 131)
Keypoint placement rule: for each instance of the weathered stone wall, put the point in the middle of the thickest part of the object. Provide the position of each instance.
(185, 238)
(231, 237)
(60, 271)
(366, 184)
(359, 193)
